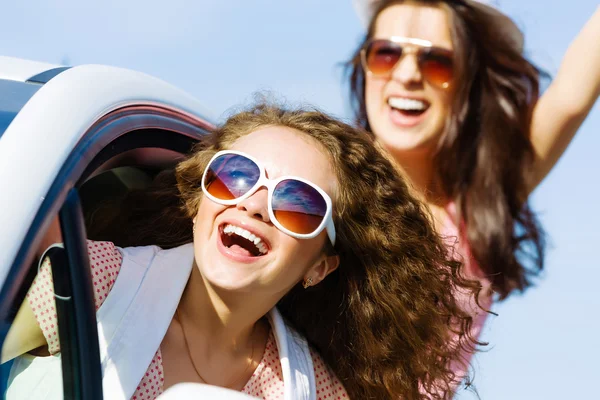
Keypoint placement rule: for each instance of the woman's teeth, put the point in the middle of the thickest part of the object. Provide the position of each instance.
(405, 104)
(236, 230)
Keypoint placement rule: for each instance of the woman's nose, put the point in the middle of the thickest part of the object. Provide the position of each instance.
(407, 70)
(256, 205)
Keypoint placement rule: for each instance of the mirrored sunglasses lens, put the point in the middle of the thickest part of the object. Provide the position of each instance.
(298, 206)
(231, 176)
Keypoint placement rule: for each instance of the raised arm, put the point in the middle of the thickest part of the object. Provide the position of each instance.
(566, 103)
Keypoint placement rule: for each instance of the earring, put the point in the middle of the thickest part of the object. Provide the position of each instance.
(307, 282)
(194, 228)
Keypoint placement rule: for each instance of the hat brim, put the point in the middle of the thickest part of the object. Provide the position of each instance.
(365, 10)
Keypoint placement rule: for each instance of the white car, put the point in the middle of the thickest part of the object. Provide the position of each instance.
(65, 134)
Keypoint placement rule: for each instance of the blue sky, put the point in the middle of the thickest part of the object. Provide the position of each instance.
(543, 343)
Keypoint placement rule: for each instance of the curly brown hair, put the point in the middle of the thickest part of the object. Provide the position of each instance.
(386, 321)
(484, 159)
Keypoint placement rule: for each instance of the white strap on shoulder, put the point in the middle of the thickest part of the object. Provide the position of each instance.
(296, 361)
(136, 318)
(41, 261)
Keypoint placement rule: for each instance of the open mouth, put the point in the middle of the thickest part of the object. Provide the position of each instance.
(408, 107)
(241, 241)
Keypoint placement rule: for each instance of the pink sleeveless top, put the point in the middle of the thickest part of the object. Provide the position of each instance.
(460, 250)
(105, 261)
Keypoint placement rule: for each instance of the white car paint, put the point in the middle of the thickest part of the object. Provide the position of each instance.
(17, 69)
(201, 391)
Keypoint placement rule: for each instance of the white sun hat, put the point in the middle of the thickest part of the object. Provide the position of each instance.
(365, 10)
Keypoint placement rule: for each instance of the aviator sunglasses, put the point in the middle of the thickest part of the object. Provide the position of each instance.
(379, 57)
(296, 206)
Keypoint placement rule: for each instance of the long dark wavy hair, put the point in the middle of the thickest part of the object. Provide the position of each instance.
(484, 158)
(386, 321)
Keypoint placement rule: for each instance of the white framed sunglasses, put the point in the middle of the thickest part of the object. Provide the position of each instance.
(297, 207)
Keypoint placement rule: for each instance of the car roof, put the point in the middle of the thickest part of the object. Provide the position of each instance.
(17, 69)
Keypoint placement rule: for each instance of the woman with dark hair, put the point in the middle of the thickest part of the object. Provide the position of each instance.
(286, 259)
(444, 87)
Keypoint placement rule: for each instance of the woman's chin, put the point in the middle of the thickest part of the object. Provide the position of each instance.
(229, 278)
(407, 141)
(404, 143)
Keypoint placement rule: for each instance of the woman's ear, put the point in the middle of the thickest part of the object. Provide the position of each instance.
(324, 266)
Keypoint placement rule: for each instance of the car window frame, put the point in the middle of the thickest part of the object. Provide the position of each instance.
(124, 129)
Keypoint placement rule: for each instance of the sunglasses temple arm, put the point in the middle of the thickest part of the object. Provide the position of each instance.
(330, 228)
